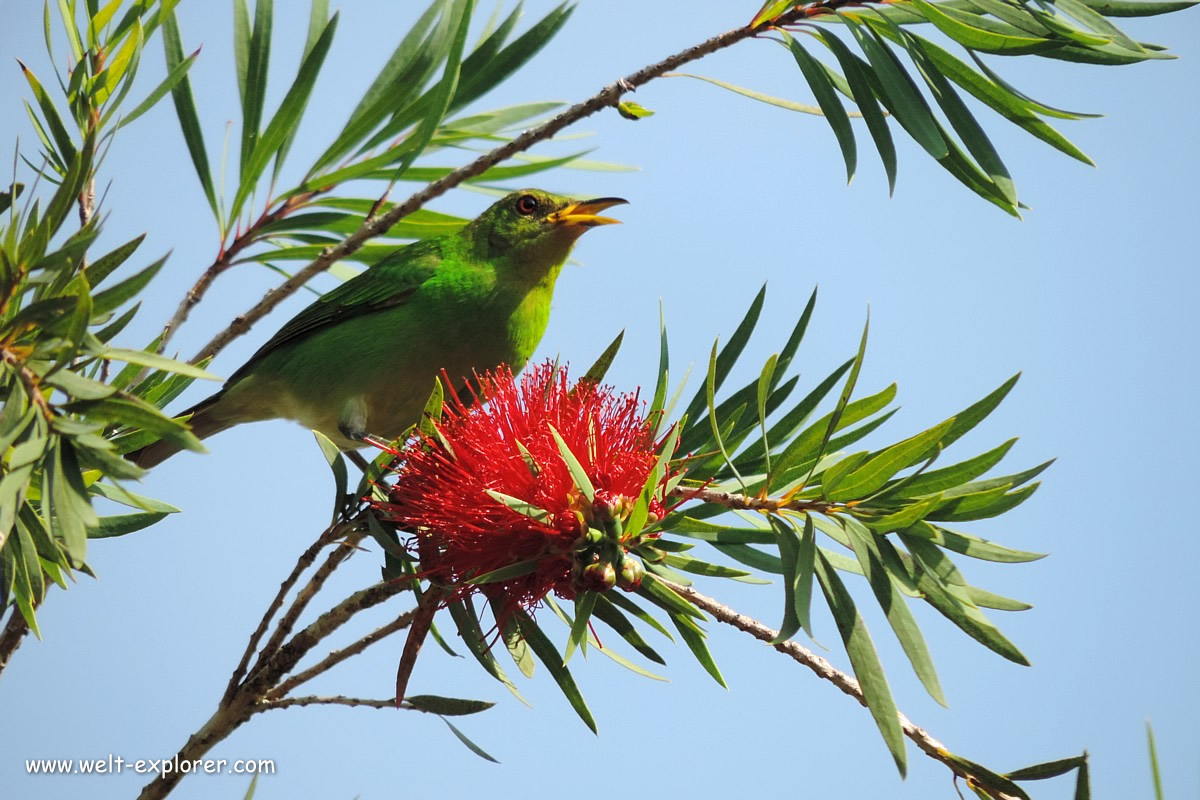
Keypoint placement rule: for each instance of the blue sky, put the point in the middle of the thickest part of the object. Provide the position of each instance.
(1092, 296)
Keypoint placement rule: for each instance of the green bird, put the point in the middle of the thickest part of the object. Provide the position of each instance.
(361, 360)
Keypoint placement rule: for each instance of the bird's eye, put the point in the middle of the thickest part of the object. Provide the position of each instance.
(526, 204)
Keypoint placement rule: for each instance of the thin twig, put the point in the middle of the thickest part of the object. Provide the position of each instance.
(336, 700)
(306, 594)
(741, 501)
(823, 669)
(337, 656)
(374, 226)
(248, 699)
(225, 259)
(304, 562)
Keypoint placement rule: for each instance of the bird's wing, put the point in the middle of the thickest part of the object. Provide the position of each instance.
(387, 284)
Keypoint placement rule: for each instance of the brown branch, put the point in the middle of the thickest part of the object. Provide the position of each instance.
(248, 699)
(337, 656)
(304, 562)
(225, 259)
(823, 669)
(339, 700)
(374, 226)
(14, 633)
(305, 595)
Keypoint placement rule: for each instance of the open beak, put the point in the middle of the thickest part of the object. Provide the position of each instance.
(583, 213)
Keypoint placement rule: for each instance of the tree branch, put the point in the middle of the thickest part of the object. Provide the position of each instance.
(14, 633)
(304, 562)
(608, 96)
(823, 669)
(248, 699)
(337, 656)
(306, 594)
(338, 700)
(223, 262)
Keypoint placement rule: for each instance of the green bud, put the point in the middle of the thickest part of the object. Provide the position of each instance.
(630, 576)
(599, 577)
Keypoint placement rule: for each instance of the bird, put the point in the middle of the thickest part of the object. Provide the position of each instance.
(361, 360)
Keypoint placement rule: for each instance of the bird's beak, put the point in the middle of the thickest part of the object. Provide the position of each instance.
(583, 214)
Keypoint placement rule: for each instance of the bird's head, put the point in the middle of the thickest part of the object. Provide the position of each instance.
(533, 229)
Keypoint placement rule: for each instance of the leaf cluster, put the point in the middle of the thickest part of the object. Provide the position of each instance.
(895, 76)
(67, 414)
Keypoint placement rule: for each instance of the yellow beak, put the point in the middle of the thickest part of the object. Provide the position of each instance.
(583, 213)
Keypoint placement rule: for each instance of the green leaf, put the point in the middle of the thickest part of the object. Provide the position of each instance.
(584, 603)
(797, 554)
(957, 28)
(173, 78)
(770, 10)
(729, 354)
(664, 362)
(971, 546)
(835, 417)
(881, 467)
(285, 119)
(863, 658)
(693, 637)
(1048, 769)
(65, 147)
(899, 93)
(102, 267)
(446, 706)
(253, 56)
(467, 622)
(441, 97)
(112, 298)
(611, 615)
(79, 387)
(1138, 8)
(908, 633)
(621, 601)
(955, 605)
(981, 505)
(780, 102)
(526, 567)
(482, 71)
(667, 598)
(547, 653)
(146, 358)
(834, 112)
(597, 371)
(337, 465)
(854, 70)
(185, 108)
(511, 634)
(522, 507)
(698, 567)
(122, 524)
(578, 474)
(462, 737)
(961, 119)
(938, 480)
(782, 430)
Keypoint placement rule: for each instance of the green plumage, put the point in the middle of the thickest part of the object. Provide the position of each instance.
(362, 358)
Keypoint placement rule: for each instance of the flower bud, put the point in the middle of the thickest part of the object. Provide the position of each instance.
(630, 576)
(599, 577)
(611, 507)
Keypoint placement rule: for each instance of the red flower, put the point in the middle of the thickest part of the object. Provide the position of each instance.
(460, 531)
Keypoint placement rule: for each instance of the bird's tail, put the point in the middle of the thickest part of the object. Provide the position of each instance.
(203, 422)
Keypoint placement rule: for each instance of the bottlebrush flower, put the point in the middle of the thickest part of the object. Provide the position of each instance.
(450, 490)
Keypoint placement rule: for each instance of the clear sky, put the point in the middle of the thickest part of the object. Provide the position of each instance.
(1092, 296)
